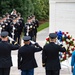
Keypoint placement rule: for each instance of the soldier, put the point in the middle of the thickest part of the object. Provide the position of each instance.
(4, 18)
(6, 23)
(20, 23)
(35, 26)
(13, 13)
(28, 29)
(9, 21)
(14, 26)
(0, 19)
(50, 56)
(3, 23)
(26, 59)
(5, 54)
(0, 24)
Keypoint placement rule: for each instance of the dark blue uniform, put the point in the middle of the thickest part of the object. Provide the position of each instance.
(27, 54)
(26, 58)
(5, 54)
(50, 57)
(28, 29)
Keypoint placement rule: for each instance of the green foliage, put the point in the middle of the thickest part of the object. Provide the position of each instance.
(26, 7)
(41, 8)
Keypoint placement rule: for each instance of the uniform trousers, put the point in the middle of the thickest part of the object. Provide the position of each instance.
(27, 72)
(17, 38)
(52, 72)
(4, 71)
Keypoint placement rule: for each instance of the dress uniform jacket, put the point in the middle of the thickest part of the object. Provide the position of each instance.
(36, 25)
(28, 28)
(26, 59)
(5, 54)
(50, 56)
(21, 21)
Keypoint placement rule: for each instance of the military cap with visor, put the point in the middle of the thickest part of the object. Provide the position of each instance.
(4, 34)
(26, 38)
(52, 35)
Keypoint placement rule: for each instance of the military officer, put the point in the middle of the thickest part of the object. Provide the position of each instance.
(13, 13)
(14, 27)
(28, 28)
(20, 25)
(50, 56)
(0, 19)
(26, 59)
(9, 21)
(1, 23)
(35, 26)
(5, 54)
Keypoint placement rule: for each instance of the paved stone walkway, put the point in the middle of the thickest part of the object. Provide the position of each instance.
(40, 70)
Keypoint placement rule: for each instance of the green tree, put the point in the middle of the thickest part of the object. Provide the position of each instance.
(4, 6)
(26, 7)
(41, 8)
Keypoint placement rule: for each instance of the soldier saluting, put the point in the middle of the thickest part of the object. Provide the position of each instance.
(26, 59)
(50, 56)
(5, 54)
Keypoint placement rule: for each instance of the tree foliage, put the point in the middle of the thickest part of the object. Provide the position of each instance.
(26, 7)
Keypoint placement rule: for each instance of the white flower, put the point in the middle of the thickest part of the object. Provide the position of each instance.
(70, 51)
(67, 40)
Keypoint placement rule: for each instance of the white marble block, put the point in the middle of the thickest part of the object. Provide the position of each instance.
(62, 16)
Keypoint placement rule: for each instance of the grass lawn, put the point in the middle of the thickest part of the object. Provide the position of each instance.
(43, 26)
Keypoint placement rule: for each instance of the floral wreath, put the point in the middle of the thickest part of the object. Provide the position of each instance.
(63, 38)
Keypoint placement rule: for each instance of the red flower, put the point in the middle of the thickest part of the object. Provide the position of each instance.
(47, 39)
(69, 53)
(66, 32)
(63, 33)
(55, 31)
(73, 39)
(69, 37)
(64, 57)
(67, 42)
(72, 49)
